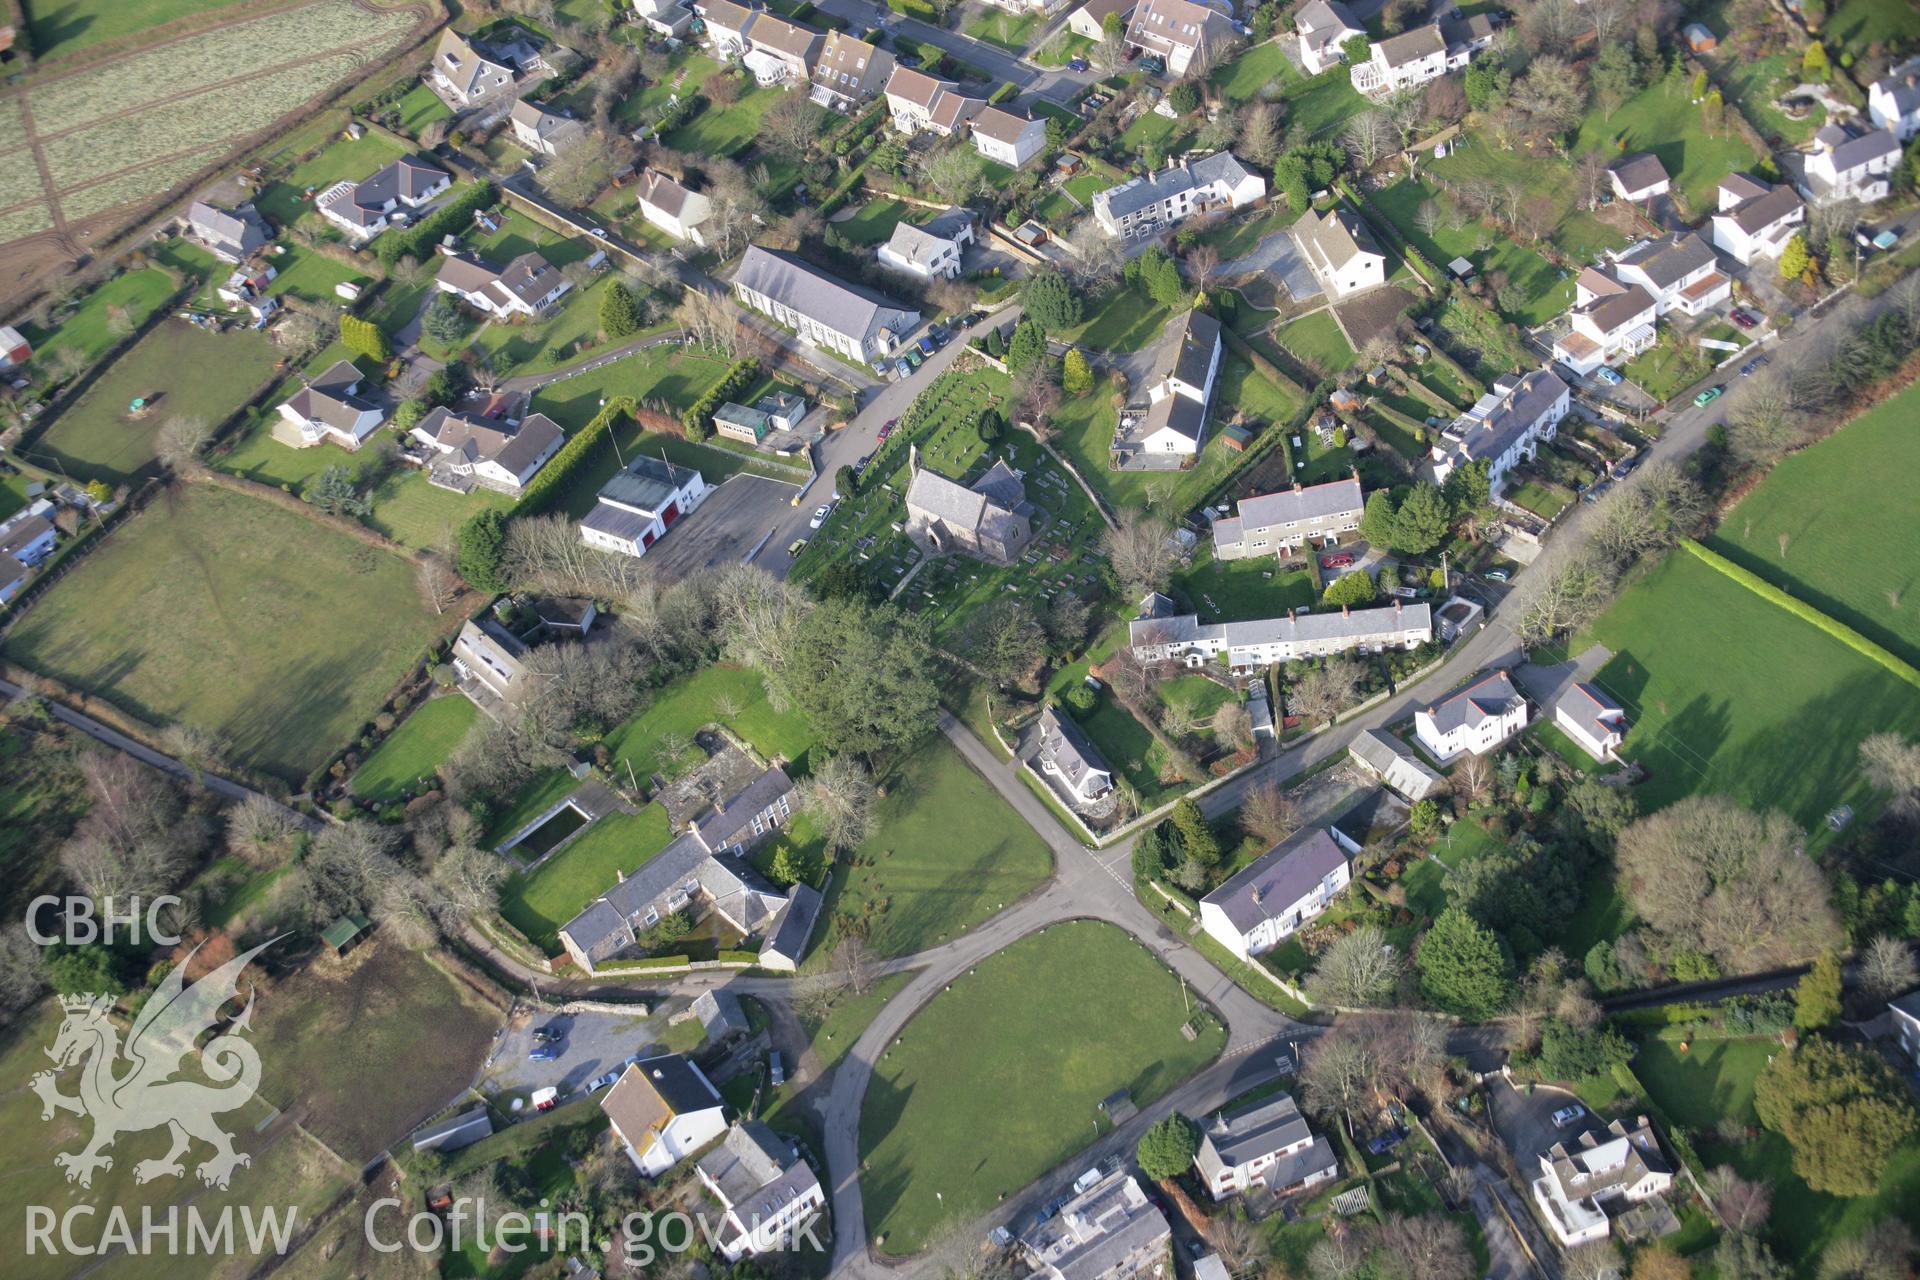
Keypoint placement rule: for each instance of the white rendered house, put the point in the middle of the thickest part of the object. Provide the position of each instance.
(1478, 718)
(1577, 1181)
(1679, 273)
(663, 1110)
(1610, 322)
(1755, 220)
(1505, 427)
(1267, 901)
(1588, 715)
(1006, 138)
(1846, 165)
(1340, 248)
(1893, 103)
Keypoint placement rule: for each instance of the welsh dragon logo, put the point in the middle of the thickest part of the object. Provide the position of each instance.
(145, 1095)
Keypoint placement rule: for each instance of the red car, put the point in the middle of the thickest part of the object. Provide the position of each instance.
(1335, 562)
(887, 429)
(1744, 320)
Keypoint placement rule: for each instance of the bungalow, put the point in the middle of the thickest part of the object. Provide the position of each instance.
(1398, 769)
(1755, 219)
(1268, 900)
(855, 322)
(1414, 57)
(526, 286)
(1680, 273)
(1089, 19)
(1110, 1231)
(543, 132)
(849, 72)
(391, 194)
(673, 208)
(765, 1191)
(1264, 1144)
(1148, 205)
(462, 1129)
(1183, 638)
(1478, 718)
(1844, 164)
(662, 1110)
(1577, 1184)
(1323, 26)
(478, 452)
(230, 235)
(919, 103)
(929, 251)
(1592, 719)
(1639, 177)
(489, 664)
(1610, 322)
(1893, 103)
(1006, 138)
(464, 77)
(664, 17)
(1179, 32)
(1064, 754)
(1505, 427)
(1290, 520)
(1340, 248)
(640, 503)
(329, 410)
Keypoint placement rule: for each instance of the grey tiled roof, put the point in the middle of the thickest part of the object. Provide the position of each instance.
(1313, 502)
(1904, 90)
(330, 397)
(720, 1014)
(1482, 700)
(1186, 350)
(756, 1173)
(839, 306)
(1178, 414)
(1666, 261)
(1639, 171)
(1067, 749)
(1500, 418)
(1278, 878)
(241, 231)
(719, 827)
(794, 928)
(1411, 46)
(1139, 193)
(1590, 705)
(1234, 1138)
(481, 439)
(1383, 754)
(1851, 150)
(1764, 210)
(646, 483)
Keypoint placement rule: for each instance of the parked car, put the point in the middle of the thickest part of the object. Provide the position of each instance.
(926, 346)
(1887, 239)
(972, 318)
(860, 467)
(902, 368)
(548, 1034)
(1593, 493)
(1608, 375)
(604, 1081)
(1742, 319)
(1497, 575)
(545, 1099)
(1707, 397)
(820, 514)
(795, 547)
(776, 1069)
(1567, 1115)
(938, 335)
(1751, 365)
(914, 357)
(906, 60)
(1625, 467)
(1079, 64)
(886, 428)
(598, 233)
(543, 1053)
(1335, 562)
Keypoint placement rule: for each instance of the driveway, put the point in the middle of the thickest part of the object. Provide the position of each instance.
(1280, 256)
(1524, 1121)
(733, 520)
(591, 1044)
(1545, 684)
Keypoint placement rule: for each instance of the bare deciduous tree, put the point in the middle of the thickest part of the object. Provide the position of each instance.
(1142, 552)
(1323, 692)
(181, 439)
(1269, 813)
(260, 832)
(710, 322)
(1743, 1205)
(1429, 1247)
(1356, 970)
(1892, 765)
(840, 796)
(1596, 1260)
(1367, 137)
(439, 584)
(1887, 967)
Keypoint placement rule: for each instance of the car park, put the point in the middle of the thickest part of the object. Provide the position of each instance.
(1707, 397)
(549, 1033)
(1568, 1115)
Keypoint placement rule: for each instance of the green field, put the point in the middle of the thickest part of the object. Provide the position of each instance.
(945, 853)
(1547, 292)
(1125, 319)
(232, 614)
(1727, 693)
(64, 27)
(422, 743)
(997, 1080)
(183, 370)
(874, 222)
(556, 891)
(87, 331)
(724, 131)
(1847, 550)
(1856, 25)
(1714, 1079)
(1317, 342)
(690, 704)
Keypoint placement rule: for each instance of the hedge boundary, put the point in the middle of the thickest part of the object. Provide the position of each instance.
(1840, 631)
(574, 454)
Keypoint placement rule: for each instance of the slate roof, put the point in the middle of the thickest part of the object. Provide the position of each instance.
(794, 927)
(1068, 750)
(916, 244)
(1411, 46)
(1139, 193)
(1176, 15)
(485, 440)
(461, 1129)
(664, 194)
(1590, 705)
(1304, 628)
(1609, 311)
(1278, 878)
(1184, 417)
(329, 398)
(651, 1092)
(240, 231)
(1902, 90)
(1259, 1129)
(528, 278)
(718, 827)
(1318, 21)
(1594, 1169)
(1485, 699)
(1852, 150)
(546, 125)
(1098, 1230)
(1001, 125)
(1400, 770)
(1759, 212)
(1473, 30)
(1186, 350)
(364, 203)
(1639, 171)
(1505, 415)
(1302, 504)
(987, 504)
(841, 307)
(755, 1173)
(1666, 261)
(1742, 186)
(1338, 237)
(720, 1014)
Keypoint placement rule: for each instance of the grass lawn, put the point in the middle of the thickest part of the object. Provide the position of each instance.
(1324, 103)
(232, 614)
(876, 220)
(1728, 693)
(1666, 368)
(997, 1080)
(1659, 119)
(64, 27)
(1547, 293)
(1005, 30)
(1317, 341)
(538, 903)
(1819, 526)
(310, 276)
(568, 332)
(1084, 434)
(945, 853)
(422, 743)
(283, 200)
(1714, 1079)
(1242, 79)
(1063, 48)
(420, 108)
(1751, 84)
(1152, 131)
(288, 1172)
(1855, 25)
(675, 375)
(727, 130)
(87, 330)
(1540, 497)
(1238, 237)
(1130, 748)
(1197, 696)
(1241, 590)
(1126, 319)
(693, 702)
(183, 370)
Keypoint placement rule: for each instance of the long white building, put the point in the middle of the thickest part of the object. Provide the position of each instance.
(1160, 635)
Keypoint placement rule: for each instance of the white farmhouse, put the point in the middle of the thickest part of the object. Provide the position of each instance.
(1577, 1183)
(1263, 1144)
(662, 1110)
(1680, 273)
(1755, 220)
(640, 503)
(1267, 901)
(1844, 164)
(1181, 388)
(1478, 718)
(1505, 427)
(1164, 636)
(1893, 103)
(673, 208)
(1413, 58)
(1148, 205)
(858, 323)
(930, 251)
(1065, 756)
(1006, 138)
(766, 1192)
(1340, 248)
